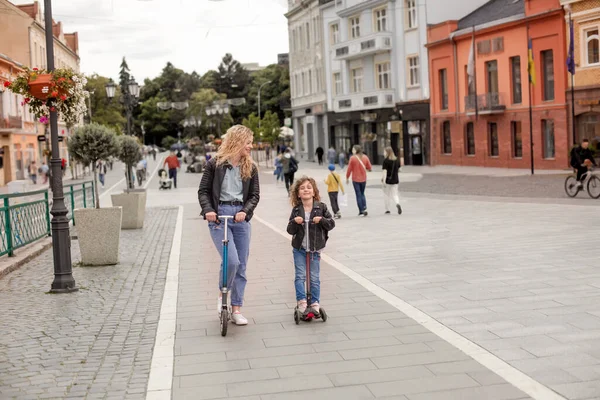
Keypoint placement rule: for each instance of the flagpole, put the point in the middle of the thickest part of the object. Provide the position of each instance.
(529, 43)
(572, 82)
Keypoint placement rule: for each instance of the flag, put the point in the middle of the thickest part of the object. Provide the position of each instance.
(571, 56)
(471, 63)
(530, 63)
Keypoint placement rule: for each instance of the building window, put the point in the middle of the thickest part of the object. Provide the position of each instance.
(592, 41)
(446, 138)
(470, 138)
(493, 139)
(413, 71)
(491, 70)
(316, 23)
(300, 38)
(357, 80)
(310, 81)
(294, 46)
(307, 35)
(334, 30)
(381, 20)
(303, 84)
(411, 13)
(548, 137)
(548, 70)
(515, 66)
(337, 81)
(517, 141)
(354, 27)
(443, 89)
(383, 76)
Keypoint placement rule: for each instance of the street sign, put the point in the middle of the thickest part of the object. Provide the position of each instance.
(41, 138)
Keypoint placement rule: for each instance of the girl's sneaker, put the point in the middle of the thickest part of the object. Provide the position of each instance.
(238, 318)
(302, 306)
(315, 307)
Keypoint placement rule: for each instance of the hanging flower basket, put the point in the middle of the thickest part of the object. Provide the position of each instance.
(62, 91)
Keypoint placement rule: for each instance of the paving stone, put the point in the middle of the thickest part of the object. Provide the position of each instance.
(422, 385)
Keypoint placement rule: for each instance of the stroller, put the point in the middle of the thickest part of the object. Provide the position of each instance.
(164, 182)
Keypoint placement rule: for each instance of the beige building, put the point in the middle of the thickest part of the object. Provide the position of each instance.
(586, 28)
(23, 44)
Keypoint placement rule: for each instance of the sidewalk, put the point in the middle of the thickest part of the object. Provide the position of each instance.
(366, 349)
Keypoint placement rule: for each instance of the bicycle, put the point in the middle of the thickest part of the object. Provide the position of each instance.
(589, 181)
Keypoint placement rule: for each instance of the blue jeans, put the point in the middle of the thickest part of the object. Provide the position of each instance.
(173, 175)
(300, 279)
(238, 234)
(361, 200)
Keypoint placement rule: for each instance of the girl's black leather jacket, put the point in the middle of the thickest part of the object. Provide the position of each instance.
(318, 233)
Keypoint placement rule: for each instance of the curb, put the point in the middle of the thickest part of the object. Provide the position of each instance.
(26, 254)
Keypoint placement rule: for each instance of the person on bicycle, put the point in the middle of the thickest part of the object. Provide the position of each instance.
(581, 157)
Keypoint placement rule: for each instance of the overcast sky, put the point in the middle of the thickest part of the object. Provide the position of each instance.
(192, 34)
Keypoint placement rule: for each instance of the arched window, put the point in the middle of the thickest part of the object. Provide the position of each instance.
(592, 41)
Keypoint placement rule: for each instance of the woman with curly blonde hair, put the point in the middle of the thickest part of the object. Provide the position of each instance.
(230, 186)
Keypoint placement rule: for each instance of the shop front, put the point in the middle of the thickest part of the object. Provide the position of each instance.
(415, 128)
(309, 130)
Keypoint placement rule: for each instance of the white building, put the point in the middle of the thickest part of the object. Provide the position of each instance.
(376, 73)
(307, 77)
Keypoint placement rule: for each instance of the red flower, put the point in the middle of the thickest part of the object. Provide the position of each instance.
(61, 80)
(54, 94)
(52, 108)
(6, 83)
(27, 100)
(35, 69)
(63, 97)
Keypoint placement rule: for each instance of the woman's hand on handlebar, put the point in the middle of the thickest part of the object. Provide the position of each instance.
(316, 220)
(299, 220)
(211, 216)
(240, 217)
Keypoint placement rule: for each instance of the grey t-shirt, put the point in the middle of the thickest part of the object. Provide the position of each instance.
(232, 188)
(306, 245)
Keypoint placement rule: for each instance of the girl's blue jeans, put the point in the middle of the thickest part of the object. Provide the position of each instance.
(300, 279)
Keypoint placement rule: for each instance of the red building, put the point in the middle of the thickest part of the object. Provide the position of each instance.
(480, 87)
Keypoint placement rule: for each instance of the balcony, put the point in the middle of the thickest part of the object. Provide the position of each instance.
(364, 101)
(374, 43)
(11, 122)
(486, 104)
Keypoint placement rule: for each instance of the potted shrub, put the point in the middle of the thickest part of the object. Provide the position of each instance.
(133, 201)
(61, 90)
(98, 229)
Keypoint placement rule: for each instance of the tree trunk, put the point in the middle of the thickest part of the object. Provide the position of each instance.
(96, 195)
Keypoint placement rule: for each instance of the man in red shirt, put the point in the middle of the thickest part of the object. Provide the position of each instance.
(172, 164)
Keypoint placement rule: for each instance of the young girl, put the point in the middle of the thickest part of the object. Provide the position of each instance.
(308, 238)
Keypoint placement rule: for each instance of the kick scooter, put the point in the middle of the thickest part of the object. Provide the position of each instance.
(225, 289)
(309, 314)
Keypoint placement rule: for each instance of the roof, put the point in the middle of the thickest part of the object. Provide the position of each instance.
(491, 11)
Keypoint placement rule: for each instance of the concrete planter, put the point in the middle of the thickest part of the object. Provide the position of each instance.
(99, 233)
(134, 207)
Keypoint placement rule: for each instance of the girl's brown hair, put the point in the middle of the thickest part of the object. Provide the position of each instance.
(295, 191)
(233, 143)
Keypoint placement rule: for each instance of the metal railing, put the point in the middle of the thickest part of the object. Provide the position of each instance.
(25, 217)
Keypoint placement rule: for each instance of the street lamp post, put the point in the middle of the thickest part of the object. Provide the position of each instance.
(259, 89)
(61, 235)
(130, 100)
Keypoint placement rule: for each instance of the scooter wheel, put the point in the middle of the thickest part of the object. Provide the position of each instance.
(323, 314)
(297, 317)
(224, 322)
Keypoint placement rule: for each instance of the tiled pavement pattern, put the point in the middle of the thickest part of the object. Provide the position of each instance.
(366, 349)
(519, 279)
(96, 343)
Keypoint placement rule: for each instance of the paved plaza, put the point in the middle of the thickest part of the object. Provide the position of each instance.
(463, 296)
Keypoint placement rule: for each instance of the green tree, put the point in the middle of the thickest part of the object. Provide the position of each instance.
(274, 96)
(130, 153)
(124, 76)
(252, 123)
(90, 144)
(103, 111)
(200, 101)
(168, 141)
(270, 127)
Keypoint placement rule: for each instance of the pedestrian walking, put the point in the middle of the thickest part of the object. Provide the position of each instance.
(278, 169)
(139, 172)
(319, 154)
(342, 159)
(391, 167)
(357, 168)
(309, 225)
(230, 186)
(290, 167)
(101, 168)
(331, 155)
(173, 164)
(334, 186)
(33, 171)
(44, 170)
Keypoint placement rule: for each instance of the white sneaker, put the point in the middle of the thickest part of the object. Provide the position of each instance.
(302, 306)
(238, 319)
(219, 306)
